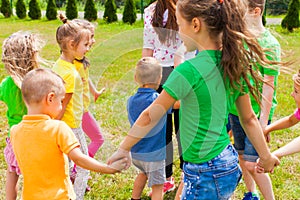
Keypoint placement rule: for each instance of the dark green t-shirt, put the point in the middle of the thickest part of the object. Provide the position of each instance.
(205, 104)
(11, 95)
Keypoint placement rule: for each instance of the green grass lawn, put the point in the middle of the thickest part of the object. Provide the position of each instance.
(113, 58)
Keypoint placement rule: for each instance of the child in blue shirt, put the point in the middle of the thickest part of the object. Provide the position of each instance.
(149, 154)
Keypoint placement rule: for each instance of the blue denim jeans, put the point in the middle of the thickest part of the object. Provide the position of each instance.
(215, 179)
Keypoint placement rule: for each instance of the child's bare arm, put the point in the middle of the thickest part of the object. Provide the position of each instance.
(254, 132)
(282, 123)
(89, 163)
(94, 91)
(289, 149)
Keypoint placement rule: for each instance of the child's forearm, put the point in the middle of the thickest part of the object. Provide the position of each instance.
(290, 148)
(92, 87)
(266, 102)
(283, 123)
(89, 163)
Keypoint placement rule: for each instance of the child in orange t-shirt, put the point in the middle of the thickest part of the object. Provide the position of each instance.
(40, 142)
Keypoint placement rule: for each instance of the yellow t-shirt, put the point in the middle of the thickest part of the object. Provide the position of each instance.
(41, 145)
(84, 74)
(73, 84)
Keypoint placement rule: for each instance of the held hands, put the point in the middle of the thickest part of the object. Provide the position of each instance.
(267, 165)
(120, 154)
(119, 165)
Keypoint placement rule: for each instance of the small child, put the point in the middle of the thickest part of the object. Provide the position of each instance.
(149, 154)
(74, 43)
(19, 55)
(89, 123)
(288, 121)
(42, 144)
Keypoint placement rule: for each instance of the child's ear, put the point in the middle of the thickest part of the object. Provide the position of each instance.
(50, 97)
(196, 23)
(257, 11)
(71, 44)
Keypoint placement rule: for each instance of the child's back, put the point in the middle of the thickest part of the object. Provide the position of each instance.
(41, 137)
(152, 147)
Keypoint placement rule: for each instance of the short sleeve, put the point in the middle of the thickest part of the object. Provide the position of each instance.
(66, 139)
(297, 113)
(69, 83)
(180, 81)
(149, 32)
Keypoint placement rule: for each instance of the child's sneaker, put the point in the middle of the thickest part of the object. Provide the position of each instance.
(251, 196)
(169, 185)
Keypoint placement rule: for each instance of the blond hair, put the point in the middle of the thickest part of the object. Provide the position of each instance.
(85, 24)
(70, 31)
(38, 83)
(148, 71)
(19, 54)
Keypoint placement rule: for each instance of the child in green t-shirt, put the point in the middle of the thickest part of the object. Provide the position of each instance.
(263, 110)
(208, 86)
(19, 55)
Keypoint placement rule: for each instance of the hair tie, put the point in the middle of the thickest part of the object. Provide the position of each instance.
(221, 1)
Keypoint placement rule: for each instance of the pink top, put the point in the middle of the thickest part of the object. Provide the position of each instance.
(297, 113)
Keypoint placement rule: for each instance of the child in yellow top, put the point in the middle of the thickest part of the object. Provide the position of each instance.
(89, 123)
(39, 138)
(74, 42)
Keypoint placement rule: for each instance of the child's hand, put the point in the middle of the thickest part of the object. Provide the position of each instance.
(98, 93)
(118, 165)
(119, 154)
(267, 165)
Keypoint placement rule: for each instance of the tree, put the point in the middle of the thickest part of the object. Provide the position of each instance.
(71, 9)
(34, 10)
(277, 7)
(110, 12)
(90, 11)
(291, 20)
(5, 8)
(264, 18)
(129, 13)
(21, 9)
(51, 11)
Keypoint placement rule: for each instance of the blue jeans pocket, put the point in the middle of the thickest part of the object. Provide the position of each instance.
(224, 189)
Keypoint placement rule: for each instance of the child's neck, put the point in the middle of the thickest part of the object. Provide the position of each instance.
(67, 57)
(153, 86)
(257, 27)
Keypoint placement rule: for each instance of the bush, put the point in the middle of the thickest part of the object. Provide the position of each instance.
(291, 20)
(129, 13)
(34, 10)
(21, 9)
(71, 9)
(5, 8)
(110, 12)
(277, 7)
(51, 11)
(90, 11)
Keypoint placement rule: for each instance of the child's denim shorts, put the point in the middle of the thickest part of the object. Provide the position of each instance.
(241, 142)
(215, 179)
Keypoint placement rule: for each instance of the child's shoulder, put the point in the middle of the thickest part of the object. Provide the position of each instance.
(8, 83)
(268, 40)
